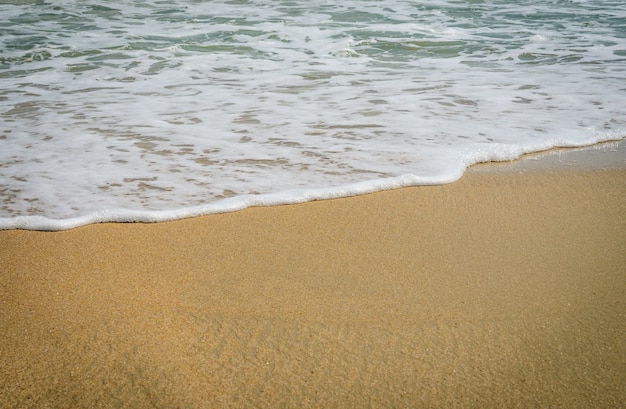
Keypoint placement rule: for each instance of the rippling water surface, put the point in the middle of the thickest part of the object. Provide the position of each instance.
(153, 110)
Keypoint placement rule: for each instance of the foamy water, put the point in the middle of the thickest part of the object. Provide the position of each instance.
(150, 111)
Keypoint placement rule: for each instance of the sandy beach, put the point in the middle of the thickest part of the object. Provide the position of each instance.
(504, 289)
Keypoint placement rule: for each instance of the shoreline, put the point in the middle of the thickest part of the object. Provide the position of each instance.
(503, 289)
(603, 155)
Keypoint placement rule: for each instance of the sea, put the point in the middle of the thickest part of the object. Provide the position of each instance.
(150, 110)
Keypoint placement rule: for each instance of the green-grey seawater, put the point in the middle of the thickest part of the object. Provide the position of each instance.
(149, 110)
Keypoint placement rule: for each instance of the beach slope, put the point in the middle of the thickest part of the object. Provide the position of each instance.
(504, 289)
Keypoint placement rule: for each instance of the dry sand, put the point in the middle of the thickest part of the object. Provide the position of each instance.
(504, 289)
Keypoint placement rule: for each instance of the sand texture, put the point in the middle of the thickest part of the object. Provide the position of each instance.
(500, 290)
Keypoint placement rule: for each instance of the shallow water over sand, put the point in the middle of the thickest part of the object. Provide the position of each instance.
(151, 111)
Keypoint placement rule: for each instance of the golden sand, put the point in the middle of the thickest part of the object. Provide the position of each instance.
(504, 289)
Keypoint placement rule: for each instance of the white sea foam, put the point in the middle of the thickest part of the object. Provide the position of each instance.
(142, 111)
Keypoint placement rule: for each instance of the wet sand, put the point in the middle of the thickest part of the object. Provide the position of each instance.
(504, 289)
